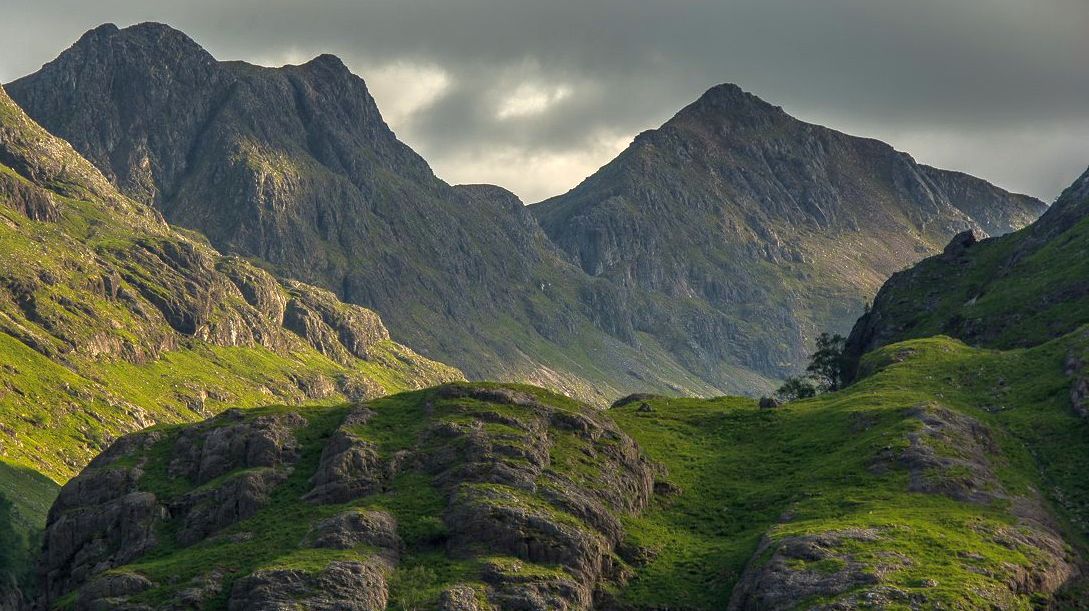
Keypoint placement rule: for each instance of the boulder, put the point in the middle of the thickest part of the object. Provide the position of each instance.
(341, 586)
(357, 527)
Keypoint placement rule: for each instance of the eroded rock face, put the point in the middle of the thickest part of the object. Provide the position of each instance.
(342, 586)
(357, 527)
(811, 566)
(350, 466)
(507, 495)
(232, 441)
(109, 591)
(532, 488)
(36, 203)
(460, 598)
(100, 520)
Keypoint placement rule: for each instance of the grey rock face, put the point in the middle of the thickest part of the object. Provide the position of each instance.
(232, 442)
(358, 527)
(747, 212)
(342, 586)
(500, 480)
(109, 591)
(207, 511)
(459, 598)
(36, 203)
(350, 467)
(100, 520)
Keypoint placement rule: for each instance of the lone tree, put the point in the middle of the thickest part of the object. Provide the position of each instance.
(796, 387)
(826, 365)
(824, 373)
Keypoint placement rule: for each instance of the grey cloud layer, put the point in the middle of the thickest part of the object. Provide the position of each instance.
(995, 87)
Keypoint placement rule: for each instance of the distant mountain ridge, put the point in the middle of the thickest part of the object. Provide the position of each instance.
(774, 226)
(295, 166)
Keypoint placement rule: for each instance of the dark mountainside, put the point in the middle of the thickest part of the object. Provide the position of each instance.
(111, 321)
(774, 228)
(1016, 290)
(295, 166)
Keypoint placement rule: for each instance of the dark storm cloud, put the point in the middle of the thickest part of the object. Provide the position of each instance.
(535, 94)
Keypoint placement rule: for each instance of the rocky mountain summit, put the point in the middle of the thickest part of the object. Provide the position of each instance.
(773, 229)
(675, 285)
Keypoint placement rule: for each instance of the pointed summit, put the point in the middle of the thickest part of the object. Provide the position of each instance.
(143, 41)
(328, 60)
(728, 103)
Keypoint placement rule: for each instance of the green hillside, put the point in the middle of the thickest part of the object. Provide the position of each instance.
(948, 477)
(1020, 289)
(111, 321)
(1004, 450)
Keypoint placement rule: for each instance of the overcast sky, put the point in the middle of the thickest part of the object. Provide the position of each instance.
(535, 95)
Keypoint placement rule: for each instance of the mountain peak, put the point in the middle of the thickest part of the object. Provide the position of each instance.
(327, 59)
(144, 39)
(730, 99)
(1080, 188)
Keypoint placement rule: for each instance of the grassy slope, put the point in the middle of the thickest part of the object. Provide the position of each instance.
(742, 468)
(744, 473)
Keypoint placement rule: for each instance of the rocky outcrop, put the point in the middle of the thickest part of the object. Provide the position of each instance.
(337, 330)
(509, 497)
(235, 441)
(818, 567)
(100, 520)
(350, 466)
(527, 487)
(34, 202)
(357, 527)
(341, 586)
